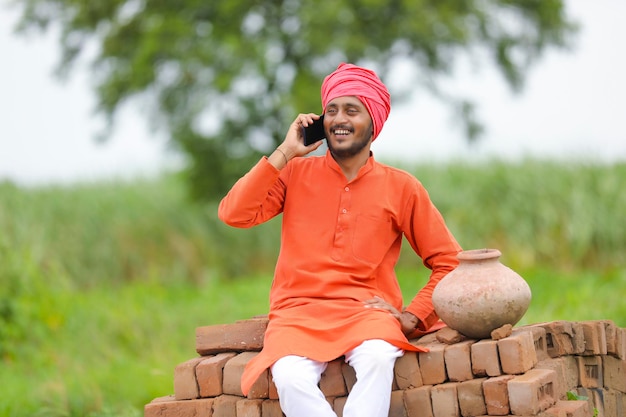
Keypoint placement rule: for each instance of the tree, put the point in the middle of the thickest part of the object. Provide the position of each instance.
(223, 78)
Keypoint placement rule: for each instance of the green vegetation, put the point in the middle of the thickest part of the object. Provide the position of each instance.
(572, 396)
(102, 285)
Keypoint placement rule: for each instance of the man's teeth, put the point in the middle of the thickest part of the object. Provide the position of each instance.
(342, 132)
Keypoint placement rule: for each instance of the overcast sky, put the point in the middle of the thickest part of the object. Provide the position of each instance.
(573, 106)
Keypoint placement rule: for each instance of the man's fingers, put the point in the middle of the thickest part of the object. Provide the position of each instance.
(378, 302)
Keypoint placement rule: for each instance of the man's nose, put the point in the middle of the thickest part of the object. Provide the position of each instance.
(341, 117)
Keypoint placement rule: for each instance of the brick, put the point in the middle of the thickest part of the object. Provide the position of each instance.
(271, 408)
(502, 332)
(517, 353)
(273, 391)
(614, 373)
(590, 372)
(338, 404)
(615, 403)
(540, 341)
(407, 372)
(331, 382)
(241, 336)
(553, 412)
(485, 359)
(210, 374)
(396, 405)
(471, 397)
(566, 368)
(424, 340)
(532, 392)
(571, 408)
(610, 331)
(249, 408)
(449, 336)
(571, 372)
(225, 406)
(169, 407)
(620, 343)
(417, 402)
(432, 364)
(233, 369)
(586, 395)
(597, 397)
(394, 385)
(496, 393)
(574, 408)
(458, 361)
(331, 400)
(595, 338)
(445, 400)
(260, 389)
(185, 384)
(165, 399)
(349, 375)
(564, 338)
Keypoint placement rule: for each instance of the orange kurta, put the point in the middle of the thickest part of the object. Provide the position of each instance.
(339, 245)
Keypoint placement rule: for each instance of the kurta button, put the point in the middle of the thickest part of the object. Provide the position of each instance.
(344, 211)
(347, 188)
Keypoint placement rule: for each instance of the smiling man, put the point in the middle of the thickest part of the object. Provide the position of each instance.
(335, 292)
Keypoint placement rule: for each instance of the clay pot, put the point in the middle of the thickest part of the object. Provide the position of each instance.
(481, 294)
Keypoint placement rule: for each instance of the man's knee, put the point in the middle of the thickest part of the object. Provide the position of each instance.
(293, 372)
(374, 355)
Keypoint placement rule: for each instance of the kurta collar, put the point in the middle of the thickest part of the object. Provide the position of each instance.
(369, 165)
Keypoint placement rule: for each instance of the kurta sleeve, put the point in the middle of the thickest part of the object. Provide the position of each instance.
(428, 235)
(256, 197)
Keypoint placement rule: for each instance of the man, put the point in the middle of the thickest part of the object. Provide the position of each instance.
(335, 292)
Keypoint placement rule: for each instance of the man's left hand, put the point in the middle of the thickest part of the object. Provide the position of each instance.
(408, 321)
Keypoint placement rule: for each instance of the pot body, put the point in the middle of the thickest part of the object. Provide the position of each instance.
(481, 294)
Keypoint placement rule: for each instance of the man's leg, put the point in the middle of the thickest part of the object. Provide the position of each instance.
(296, 380)
(373, 362)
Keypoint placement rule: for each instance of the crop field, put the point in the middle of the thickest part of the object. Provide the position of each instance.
(103, 284)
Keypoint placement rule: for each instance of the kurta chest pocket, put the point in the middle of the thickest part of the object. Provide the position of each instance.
(373, 236)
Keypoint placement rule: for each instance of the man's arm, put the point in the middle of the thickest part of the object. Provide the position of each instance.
(433, 242)
(259, 195)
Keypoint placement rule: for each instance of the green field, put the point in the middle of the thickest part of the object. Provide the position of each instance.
(102, 285)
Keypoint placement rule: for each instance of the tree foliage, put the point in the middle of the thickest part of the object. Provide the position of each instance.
(223, 78)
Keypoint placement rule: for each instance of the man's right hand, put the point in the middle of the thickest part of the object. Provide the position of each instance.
(293, 145)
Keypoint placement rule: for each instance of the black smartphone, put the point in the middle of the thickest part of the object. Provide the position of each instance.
(314, 132)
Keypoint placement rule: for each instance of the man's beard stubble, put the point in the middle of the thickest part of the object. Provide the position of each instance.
(354, 149)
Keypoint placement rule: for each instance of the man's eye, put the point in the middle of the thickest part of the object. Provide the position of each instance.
(331, 111)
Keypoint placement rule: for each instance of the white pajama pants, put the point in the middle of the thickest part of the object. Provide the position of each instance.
(297, 379)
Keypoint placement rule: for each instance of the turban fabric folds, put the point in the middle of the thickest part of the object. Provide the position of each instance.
(352, 80)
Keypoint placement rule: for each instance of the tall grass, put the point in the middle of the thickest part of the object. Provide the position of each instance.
(102, 285)
(538, 213)
(112, 233)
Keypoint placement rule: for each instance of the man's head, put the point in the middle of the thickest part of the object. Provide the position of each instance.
(351, 80)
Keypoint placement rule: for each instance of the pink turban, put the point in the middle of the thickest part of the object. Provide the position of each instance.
(351, 80)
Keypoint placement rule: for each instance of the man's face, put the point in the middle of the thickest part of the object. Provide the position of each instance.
(348, 126)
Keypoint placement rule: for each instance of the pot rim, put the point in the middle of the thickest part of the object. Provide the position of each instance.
(478, 254)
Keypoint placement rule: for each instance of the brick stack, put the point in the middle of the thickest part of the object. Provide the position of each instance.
(526, 371)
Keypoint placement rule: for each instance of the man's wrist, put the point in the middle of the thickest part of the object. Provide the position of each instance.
(411, 318)
(283, 154)
(287, 151)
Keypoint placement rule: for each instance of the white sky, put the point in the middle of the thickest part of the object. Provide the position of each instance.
(573, 105)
